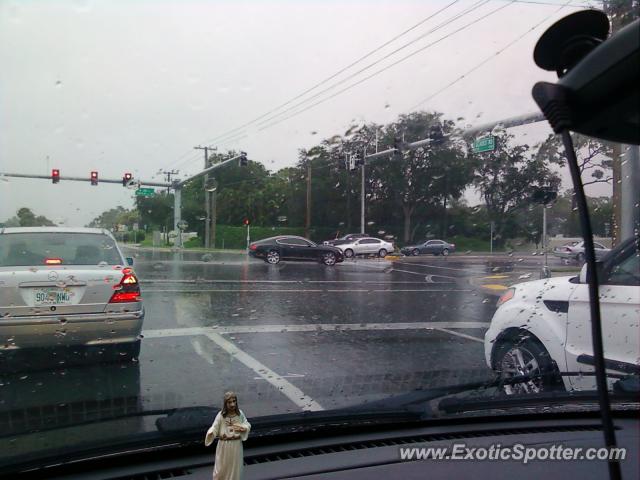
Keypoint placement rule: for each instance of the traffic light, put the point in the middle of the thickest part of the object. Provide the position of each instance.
(246, 222)
(544, 196)
(360, 158)
(243, 161)
(398, 144)
(436, 134)
(55, 175)
(94, 178)
(126, 179)
(352, 162)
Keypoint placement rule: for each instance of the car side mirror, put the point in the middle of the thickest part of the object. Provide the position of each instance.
(584, 278)
(585, 273)
(129, 261)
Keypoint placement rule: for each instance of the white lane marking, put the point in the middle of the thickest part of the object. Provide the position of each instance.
(463, 335)
(317, 327)
(292, 392)
(300, 282)
(428, 278)
(163, 280)
(288, 375)
(303, 290)
(437, 266)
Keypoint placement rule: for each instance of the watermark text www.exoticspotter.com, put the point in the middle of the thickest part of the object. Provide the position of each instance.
(516, 452)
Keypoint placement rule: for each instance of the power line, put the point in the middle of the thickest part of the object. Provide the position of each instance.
(331, 77)
(487, 59)
(387, 67)
(473, 7)
(470, 9)
(342, 70)
(324, 81)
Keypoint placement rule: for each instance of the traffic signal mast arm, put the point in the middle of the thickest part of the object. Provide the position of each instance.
(181, 183)
(83, 179)
(506, 123)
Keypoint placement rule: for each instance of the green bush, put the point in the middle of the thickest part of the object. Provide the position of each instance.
(194, 242)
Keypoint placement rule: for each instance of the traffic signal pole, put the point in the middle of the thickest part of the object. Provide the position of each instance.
(179, 184)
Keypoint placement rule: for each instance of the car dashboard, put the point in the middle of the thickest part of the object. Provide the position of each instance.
(373, 452)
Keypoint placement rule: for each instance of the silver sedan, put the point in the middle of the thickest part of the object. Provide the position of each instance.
(367, 246)
(63, 287)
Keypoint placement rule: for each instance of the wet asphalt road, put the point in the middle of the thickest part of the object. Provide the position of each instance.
(286, 338)
(305, 336)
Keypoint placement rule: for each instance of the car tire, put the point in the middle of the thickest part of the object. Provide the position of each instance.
(348, 253)
(415, 252)
(445, 252)
(329, 259)
(525, 356)
(382, 253)
(128, 351)
(273, 257)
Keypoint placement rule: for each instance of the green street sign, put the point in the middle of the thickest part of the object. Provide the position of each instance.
(145, 192)
(484, 144)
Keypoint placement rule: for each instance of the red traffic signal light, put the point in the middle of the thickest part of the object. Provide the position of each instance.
(94, 178)
(55, 175)
(246, 221)
(126, 179)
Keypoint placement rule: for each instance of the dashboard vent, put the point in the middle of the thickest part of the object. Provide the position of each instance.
(173, 473)
(307, 452)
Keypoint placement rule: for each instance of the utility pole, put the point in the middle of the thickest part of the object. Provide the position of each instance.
(214, 192)
(362, 192)
(307, 225)
(207, 197)
(346, 166)
(625, 158)
(167, 175)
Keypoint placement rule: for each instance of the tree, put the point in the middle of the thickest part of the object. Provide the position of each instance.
(27, 218)
(506, 176)
(424, 179)
(110, 219)
(593, 155)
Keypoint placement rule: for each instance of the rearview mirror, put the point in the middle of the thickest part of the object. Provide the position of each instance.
(129, 261)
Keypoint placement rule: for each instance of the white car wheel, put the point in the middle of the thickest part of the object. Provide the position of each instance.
(273, 257)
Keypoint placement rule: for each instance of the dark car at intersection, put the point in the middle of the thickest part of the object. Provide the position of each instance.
(274, 249)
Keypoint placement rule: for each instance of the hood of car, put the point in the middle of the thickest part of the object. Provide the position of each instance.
(557, 288)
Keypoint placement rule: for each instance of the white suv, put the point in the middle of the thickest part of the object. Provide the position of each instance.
(543, 327)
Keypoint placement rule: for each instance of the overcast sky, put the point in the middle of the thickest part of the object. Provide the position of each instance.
(120, 86)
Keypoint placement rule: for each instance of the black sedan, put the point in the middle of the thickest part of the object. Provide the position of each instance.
(274, 249)
(434, 247)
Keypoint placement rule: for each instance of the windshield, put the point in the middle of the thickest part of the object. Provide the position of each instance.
(226, 146)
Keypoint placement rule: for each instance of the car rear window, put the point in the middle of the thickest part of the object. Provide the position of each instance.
(27, 249)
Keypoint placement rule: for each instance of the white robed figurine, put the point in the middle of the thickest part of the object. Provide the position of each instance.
(232, 428)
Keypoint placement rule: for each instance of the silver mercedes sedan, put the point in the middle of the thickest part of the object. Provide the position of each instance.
(67, 287)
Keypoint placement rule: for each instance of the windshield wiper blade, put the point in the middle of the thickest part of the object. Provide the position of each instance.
(548, 399)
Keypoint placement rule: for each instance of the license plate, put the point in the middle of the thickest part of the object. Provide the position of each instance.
(52, 296)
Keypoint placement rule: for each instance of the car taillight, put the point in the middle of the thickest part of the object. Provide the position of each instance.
(253, 247)
(128, 290)
(52, 261)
